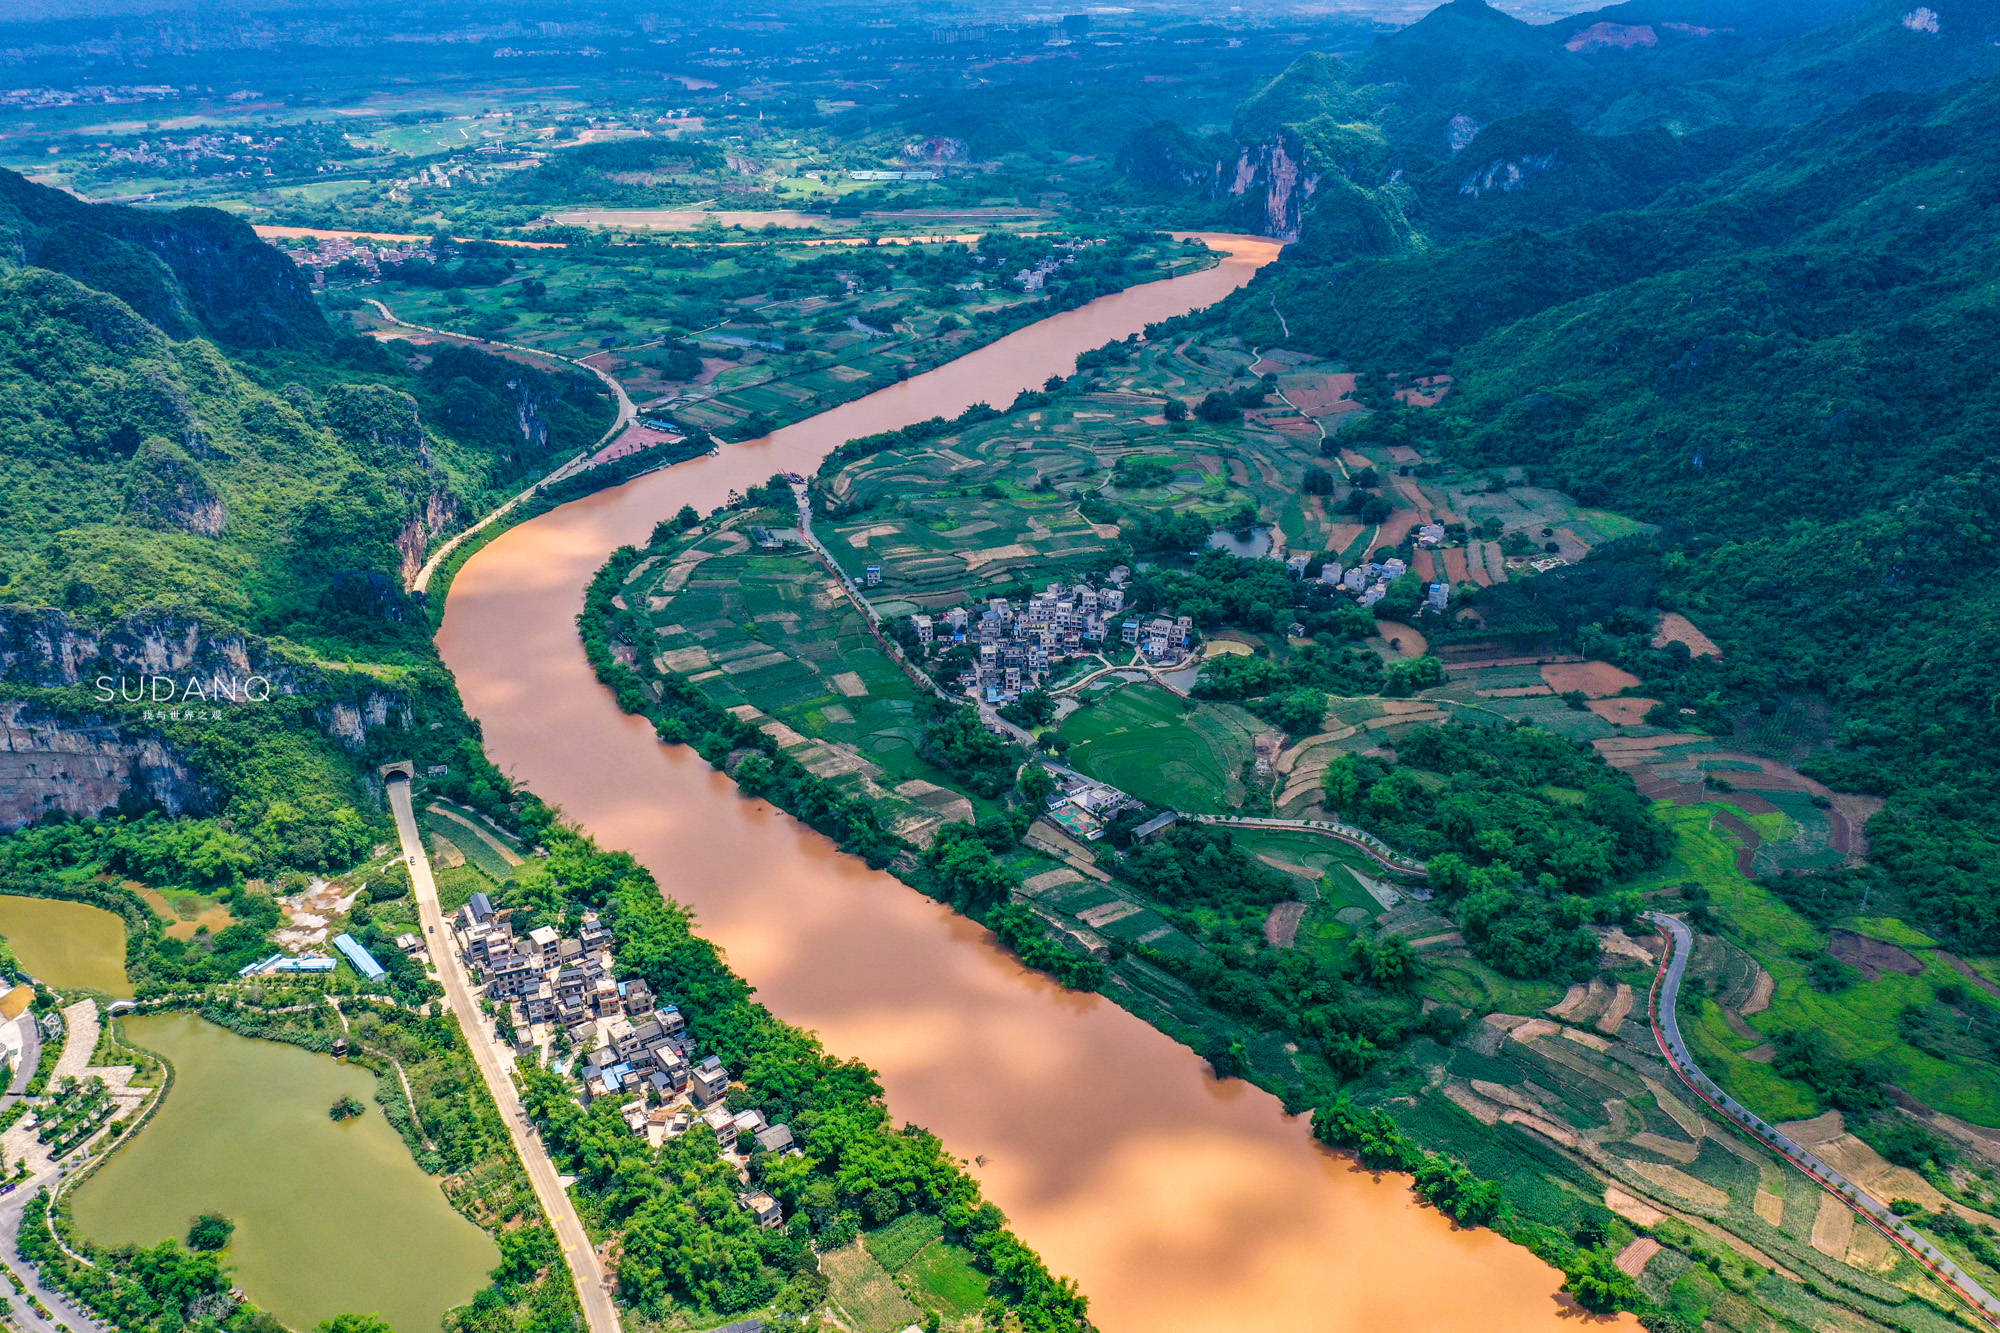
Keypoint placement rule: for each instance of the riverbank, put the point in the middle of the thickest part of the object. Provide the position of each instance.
(1176, 1201)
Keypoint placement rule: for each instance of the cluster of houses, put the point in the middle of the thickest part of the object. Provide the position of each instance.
(327, 252)
(621, 1040)
(1369, 581)
(1018, 642)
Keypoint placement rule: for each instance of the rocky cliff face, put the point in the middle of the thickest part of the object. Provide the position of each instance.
(1275, 183)
(53, 765)
(48, 650)
(437, 517)
(84, 761)
(1505, 175)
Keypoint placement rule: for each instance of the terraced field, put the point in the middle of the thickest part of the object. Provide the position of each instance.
(768, 634)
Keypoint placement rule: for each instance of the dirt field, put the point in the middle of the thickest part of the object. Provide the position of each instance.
(1409, 641)
(1428, 391)
(1677, 628)
(1623, 712)
(1596, 679)
(1321, 395)
(1281, 928)
(1398, 526)
(1872, 956)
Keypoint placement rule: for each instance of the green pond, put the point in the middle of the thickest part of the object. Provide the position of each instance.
(330, 1218)
(66, 944)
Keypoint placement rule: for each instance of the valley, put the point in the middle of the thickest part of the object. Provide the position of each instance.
(986, 671)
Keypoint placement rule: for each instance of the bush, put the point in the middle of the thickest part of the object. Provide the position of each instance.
(210, 1231)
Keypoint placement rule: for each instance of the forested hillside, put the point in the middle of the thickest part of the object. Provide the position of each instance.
(204, 480)
(1471, 122)
(1785, 361)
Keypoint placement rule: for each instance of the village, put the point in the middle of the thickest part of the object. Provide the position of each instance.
(560, 999)
(1015, 644)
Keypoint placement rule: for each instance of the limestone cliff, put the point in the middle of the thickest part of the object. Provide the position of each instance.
(55, 765)
(91, 747)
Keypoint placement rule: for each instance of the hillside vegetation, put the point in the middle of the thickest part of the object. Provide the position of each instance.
(1783, 367)
(206, 480)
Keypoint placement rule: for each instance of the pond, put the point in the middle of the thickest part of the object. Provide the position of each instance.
(66, 944)
(330, 1218)
(1252, 545)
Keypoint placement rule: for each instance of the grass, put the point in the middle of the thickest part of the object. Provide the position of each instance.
(1858, 1023)
(478, 850)
(865, 1292)
(941, 1277)
(895, 1244)
(1471, 984)
(1143, 740)
(932, 1272)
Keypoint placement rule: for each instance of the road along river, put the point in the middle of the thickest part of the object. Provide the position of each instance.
(1179, 1203)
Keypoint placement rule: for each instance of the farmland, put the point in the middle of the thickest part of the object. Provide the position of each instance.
(768, 635)
(738, 339)
(1163, 749)
(1553, 1088)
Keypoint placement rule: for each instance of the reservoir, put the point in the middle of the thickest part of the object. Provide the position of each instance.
(330, 1217)
(1180, 1204)
(70, 945)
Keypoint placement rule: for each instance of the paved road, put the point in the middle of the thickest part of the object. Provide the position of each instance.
(31, 1058)
(1332, 828)
(627, 414)
(15, 1308)
(598, 1310)
(1667, 1032)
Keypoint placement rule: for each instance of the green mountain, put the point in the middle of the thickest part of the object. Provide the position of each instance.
(1471, 122)
(204, 480)
(192, 271)
(1786, 362)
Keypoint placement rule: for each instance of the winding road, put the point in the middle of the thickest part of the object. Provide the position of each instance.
(1360, 839)
(593, 1292)
(1667, 1032)
(627, 414)
(15, 1310)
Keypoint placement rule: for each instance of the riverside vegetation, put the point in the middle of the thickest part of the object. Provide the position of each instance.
(236, 483)
(1706, 305)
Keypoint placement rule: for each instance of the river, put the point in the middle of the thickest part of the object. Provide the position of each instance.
(330, 1217)
(1177, 1202)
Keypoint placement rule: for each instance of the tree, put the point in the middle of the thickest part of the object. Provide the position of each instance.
(1218, 408)
(1299, 712)
(1036, 785)
(355, 1323)
(210, 1231)
(1177, 410)
(346, 1108)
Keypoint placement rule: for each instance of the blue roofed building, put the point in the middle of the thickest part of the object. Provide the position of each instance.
(364, 962)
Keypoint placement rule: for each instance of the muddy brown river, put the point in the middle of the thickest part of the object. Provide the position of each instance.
(1177, 1202)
